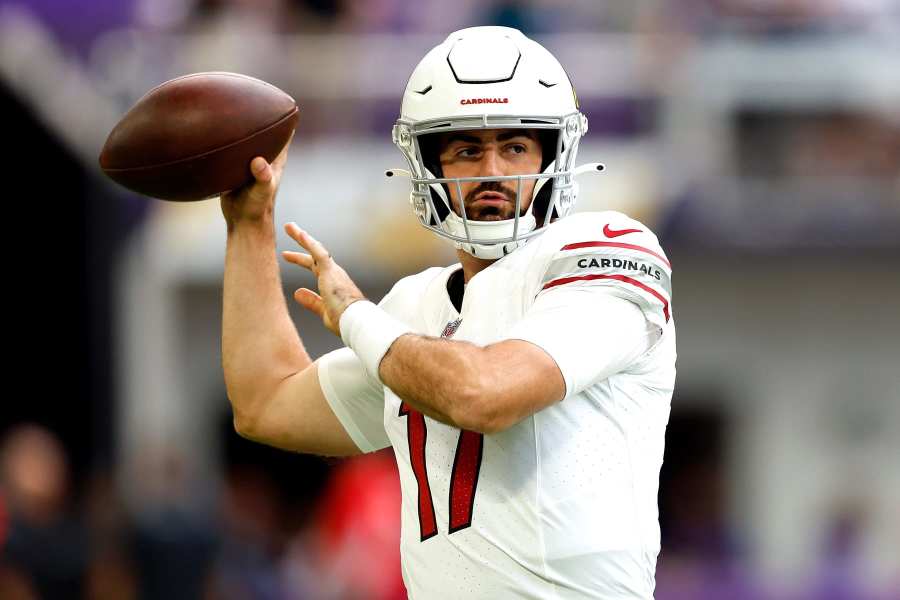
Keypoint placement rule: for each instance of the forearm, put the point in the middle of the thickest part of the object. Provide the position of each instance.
(260, 344)
(431, 375)
(437, 377)
(480, 388)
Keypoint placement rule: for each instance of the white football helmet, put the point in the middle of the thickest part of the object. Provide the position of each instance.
(490, 78)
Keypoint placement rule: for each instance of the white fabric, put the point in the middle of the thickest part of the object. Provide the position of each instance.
(564, 501)
(356, 398)
(590, 333)
(370, 332)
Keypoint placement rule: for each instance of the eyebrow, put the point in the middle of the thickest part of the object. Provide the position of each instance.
(503, 137)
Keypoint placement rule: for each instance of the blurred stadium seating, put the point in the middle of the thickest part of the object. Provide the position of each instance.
(760, 139)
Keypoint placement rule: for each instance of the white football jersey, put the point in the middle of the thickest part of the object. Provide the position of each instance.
(562, 504)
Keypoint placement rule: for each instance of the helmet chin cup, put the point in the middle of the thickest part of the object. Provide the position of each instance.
(488, 230)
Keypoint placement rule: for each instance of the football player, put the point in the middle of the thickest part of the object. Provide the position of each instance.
(525, 390)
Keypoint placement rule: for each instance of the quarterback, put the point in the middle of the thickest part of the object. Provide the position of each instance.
(525, 390)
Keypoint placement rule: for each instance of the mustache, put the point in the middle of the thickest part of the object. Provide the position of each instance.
(490, 186)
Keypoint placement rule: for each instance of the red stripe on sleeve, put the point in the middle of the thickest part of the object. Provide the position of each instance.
(577, 245)
(622, 278)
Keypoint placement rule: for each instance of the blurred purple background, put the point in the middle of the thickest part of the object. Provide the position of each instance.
(759, 139)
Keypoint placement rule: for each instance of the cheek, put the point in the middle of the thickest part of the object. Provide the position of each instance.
(450, 172)
(527, 192)
(454, 192)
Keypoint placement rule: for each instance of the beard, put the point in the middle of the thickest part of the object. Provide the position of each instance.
(491, 213)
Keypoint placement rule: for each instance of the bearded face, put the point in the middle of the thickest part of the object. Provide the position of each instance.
(487, 153)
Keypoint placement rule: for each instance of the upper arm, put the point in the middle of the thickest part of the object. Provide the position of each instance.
(522, 380)
(568, 340)
(331, 408)
(297, 417)
(602, 298)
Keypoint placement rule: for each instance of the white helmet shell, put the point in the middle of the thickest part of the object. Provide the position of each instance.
(488, 78)
(487, 63)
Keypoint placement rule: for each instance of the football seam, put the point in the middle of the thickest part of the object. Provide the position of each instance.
(226, 73)
(208, 152)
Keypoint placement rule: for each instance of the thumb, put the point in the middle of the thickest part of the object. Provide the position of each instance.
(261, 169)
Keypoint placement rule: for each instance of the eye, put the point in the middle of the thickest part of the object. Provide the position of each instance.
(467, 152)
(517, 148)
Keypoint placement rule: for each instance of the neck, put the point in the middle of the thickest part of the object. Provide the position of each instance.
(472, 265)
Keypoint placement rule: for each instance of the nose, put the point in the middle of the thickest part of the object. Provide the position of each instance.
(491, 163)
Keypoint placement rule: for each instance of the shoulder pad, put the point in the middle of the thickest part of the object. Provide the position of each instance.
(613, 251)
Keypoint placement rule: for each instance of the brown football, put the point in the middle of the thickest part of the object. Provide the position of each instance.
(194, 137)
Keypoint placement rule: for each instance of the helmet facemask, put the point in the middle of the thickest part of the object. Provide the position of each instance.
(552, 197)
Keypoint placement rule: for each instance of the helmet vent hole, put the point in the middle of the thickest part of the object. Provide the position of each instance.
(425, 91)
(545, 83)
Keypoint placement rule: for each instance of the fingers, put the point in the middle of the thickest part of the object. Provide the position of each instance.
(299, 258)
(265, 172)
(311, 301)
(318, 252)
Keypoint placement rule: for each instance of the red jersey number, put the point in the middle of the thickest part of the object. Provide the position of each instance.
(463, 478)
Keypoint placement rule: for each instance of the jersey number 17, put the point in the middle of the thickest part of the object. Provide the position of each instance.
(463, 478)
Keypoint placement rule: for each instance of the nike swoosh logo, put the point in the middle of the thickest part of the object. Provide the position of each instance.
(614, 233)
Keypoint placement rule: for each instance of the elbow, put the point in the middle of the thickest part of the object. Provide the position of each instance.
(479, 409)
(243, 427)
(245, 422)
(490, 426)
(248, 407)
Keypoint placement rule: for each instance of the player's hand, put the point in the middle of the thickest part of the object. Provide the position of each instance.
(336, 290)
(256, 201)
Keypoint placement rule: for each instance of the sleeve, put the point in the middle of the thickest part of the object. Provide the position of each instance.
(590, 333)
(622, 256)
(356, 399)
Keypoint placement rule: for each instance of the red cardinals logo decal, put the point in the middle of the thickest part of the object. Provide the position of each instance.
(484, 101)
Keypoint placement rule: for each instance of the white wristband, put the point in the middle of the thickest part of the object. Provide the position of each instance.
(369, 332)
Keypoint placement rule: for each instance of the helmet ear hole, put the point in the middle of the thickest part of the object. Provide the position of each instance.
(547, 138)
(439, 206)
(429, 147)
(542, 201)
